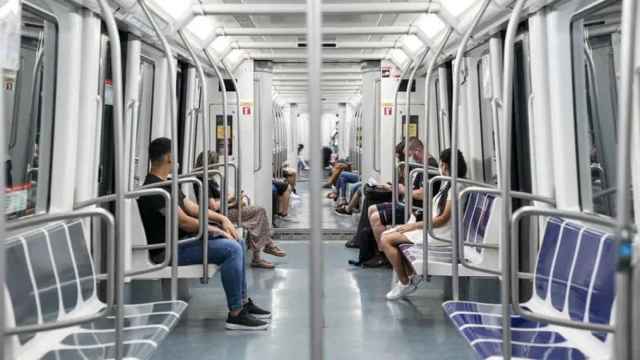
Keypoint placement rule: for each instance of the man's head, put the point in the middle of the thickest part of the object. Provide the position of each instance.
(416, 149)
(160, 155)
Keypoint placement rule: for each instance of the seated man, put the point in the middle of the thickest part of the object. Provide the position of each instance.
(225, 248)
(412, 233)
(381, 215)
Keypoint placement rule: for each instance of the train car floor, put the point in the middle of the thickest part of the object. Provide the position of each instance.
(360, 323)
(299, 214)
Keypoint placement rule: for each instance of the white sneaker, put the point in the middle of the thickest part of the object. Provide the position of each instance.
(400, 291)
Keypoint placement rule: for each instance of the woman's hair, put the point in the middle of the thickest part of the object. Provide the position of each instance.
(445, 157)
(212, 158)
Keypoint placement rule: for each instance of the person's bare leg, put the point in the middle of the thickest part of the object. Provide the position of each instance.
(354, 203)
(390, 242)
(283, 202)
(377, 228)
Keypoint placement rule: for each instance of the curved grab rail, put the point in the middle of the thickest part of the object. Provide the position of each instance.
(515, 264)
(225, 112)
(394, 179)
(417, 64)
(204, 203)
(455, 126)
(426, 204)
(238, 169)
(507, 115)
(110, 275)
(173, 106)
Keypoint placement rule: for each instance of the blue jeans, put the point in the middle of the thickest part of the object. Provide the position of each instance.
(229, 256)
(344, 179)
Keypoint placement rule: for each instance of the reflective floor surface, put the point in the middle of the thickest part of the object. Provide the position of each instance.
(360, 323)
(300, 214)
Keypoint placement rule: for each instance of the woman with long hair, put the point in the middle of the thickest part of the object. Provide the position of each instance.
(254, 219)
(412, 233)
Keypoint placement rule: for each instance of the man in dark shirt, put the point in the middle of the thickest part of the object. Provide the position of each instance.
(226, 249)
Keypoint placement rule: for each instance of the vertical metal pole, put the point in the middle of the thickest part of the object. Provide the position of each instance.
(394, 161)
(316, 269)
(225, 180)
(507, 115)
(225, 111)
(453, 170)
(407, 182)
(3, 271)
(426, 206)
(204, 201)
(623, 232)
(173, 108)
(238, 176)
(118, 112)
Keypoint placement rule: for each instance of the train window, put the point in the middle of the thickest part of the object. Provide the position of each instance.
(595, 37)
(29, 96)
(487, 133)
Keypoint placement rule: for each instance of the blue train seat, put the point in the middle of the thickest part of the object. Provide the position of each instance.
(52, 279)
(574, 279)
(479, 226)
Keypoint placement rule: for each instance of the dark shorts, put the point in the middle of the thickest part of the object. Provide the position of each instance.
(280, 187)
(386, 212)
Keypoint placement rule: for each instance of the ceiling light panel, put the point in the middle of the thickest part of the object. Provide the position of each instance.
(457, 7)
(202, 27)
(430, 24)
(173, 8)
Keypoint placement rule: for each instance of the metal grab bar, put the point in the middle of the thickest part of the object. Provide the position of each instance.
(507, 116)
(517, 194)
(625, 305)
(110, 276)
(256, 110)
(223, 87)
(171, 68)
(204, 201)
(394, 179)
(455, 126)
(119, 169)
(515, 264)
(426, 204)
(417, 64)
(429, 216)
(238, 169)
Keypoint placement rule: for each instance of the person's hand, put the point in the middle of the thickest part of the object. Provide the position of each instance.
(403, 228)
(228, 227)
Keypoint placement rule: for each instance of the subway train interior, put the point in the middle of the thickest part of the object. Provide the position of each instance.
(445, 179)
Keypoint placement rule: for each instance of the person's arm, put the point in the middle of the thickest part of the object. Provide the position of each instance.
(193, 209)
(417, 194)
(443, 218)
(187, 223)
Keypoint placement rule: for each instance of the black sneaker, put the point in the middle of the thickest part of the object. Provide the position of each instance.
(256, 311)
(245, 321)
(342, 211)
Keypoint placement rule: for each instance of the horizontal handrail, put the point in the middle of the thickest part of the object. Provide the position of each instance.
(527, 211)
(167, 228)
(430, 195)
(76, 214)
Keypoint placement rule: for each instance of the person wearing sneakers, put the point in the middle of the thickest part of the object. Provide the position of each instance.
(254, 219)
(225, 248)
(412, 233)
